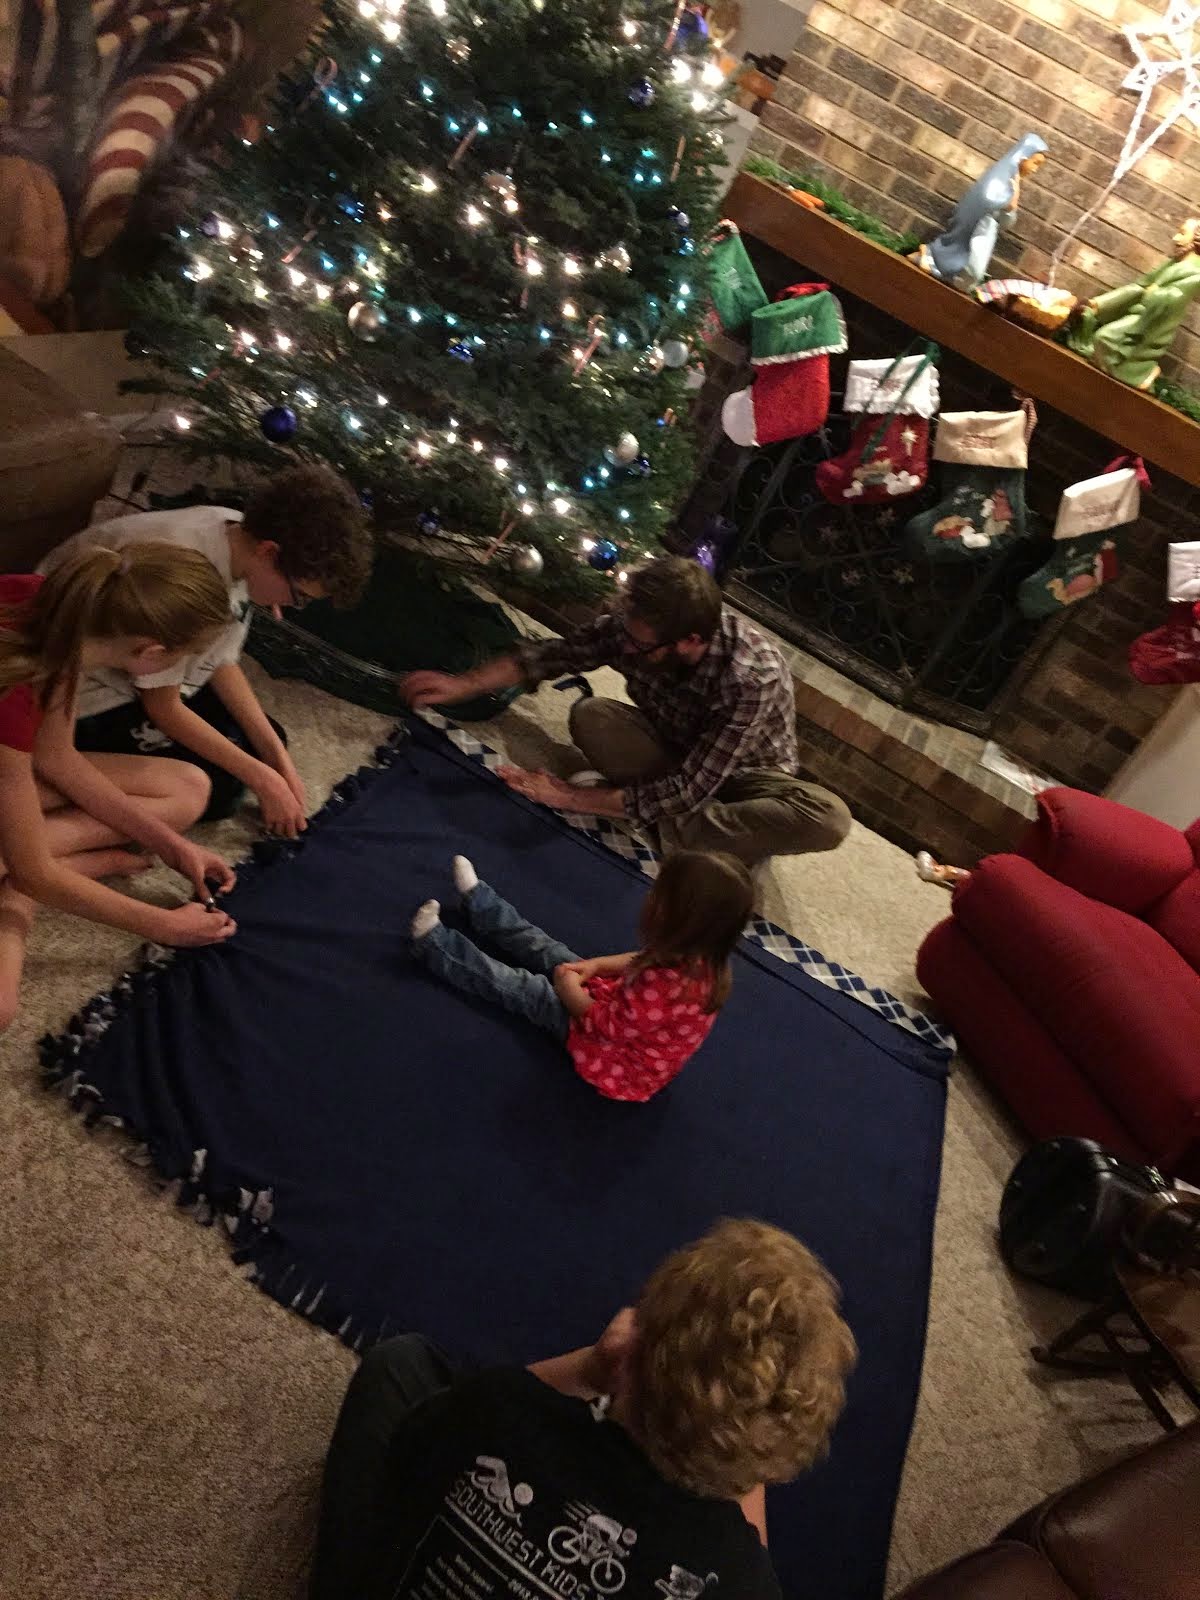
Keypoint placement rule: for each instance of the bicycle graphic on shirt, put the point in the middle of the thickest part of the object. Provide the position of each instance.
(684, 1585)
(491, 1478)
(598, 1543)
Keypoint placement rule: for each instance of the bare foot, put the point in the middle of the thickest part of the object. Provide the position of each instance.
(16, 918)
(115, 863)
(112, 861)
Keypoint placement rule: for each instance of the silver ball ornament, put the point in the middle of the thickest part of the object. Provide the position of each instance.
(615, 259)
(675, 353)
(366, 321)
(624, 451)
(525, 560)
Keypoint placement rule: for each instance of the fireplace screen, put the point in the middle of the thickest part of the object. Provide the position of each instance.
(938, 638)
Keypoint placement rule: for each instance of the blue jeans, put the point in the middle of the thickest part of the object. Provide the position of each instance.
(524, 989)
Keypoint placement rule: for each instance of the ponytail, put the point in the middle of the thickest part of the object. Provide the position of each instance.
(169, 596)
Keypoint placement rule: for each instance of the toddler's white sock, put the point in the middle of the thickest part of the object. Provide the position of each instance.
(426, 919)
(465, 876)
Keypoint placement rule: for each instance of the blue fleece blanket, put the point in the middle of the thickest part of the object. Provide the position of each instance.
(393, 1155)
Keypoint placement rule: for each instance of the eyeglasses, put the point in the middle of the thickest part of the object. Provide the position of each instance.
(638, 647)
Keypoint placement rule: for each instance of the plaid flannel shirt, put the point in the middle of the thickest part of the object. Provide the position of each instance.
(735, 711)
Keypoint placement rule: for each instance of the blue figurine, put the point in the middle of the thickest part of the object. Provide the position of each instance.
(962, 254)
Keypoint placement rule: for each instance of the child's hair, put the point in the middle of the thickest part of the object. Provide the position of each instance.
(694, 916)
(739, 1372)
(320, 526)
(171, 596)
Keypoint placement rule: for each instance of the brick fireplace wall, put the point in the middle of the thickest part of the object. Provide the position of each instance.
(1072, 709)
(902, 102)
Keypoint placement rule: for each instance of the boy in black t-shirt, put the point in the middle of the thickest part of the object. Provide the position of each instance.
(636, 1465)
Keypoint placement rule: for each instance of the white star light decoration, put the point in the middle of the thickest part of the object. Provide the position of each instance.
(1176, 33)
(1177, 54)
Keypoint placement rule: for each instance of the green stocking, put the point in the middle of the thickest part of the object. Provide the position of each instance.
(733, 283)
(1076, 568)
(982, 510)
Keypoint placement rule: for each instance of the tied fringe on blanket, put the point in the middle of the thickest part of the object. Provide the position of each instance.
(245, 1213)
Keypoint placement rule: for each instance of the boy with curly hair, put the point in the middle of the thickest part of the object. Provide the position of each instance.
(302, 537)
(637, 1464)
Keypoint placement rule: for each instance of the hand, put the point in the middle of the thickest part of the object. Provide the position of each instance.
(611, 1357)
(286, 768)
(433, 688)
(583, 970)
(566, 980)
(202, 868)
(571, 993)
(192, 925)
(282, 812)
(544, 788)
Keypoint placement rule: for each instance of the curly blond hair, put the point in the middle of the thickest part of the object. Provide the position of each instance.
(741, 1362)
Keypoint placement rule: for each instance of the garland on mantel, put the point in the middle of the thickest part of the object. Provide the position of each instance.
(835, 203)
(1178, 396)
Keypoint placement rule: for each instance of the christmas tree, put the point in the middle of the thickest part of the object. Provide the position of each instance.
(463, 264)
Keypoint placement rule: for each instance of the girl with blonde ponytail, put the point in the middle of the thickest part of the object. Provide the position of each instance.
(67, 819)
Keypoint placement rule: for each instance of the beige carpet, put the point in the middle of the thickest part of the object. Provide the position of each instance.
(164, 1422)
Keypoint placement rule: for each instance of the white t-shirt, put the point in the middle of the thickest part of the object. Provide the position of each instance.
(199, 528)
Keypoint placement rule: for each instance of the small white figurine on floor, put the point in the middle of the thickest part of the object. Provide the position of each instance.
(931, 871)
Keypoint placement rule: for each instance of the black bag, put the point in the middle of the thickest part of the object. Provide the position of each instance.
(1063, 1209)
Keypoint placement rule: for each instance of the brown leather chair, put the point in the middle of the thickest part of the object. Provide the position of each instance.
(1004, 1571)
(1132, 1532)
(56, 461)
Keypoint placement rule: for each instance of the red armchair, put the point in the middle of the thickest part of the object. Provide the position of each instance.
(1070, 972)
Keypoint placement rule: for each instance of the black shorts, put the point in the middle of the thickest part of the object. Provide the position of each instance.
(126, 730)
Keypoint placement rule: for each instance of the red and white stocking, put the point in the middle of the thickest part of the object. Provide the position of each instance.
(791, 341)
(887, 457)
(888, 454)
(1171, 654)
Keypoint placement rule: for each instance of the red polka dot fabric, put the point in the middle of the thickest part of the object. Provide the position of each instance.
(640, 1031)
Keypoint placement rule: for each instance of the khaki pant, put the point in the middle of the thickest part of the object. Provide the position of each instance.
(761, 812)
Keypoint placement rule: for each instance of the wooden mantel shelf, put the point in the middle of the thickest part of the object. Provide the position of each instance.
(1131, 419)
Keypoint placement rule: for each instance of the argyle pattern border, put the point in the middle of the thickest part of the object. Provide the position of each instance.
(765, 934)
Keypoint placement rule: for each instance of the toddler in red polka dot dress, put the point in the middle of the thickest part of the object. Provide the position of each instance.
(629, 1022)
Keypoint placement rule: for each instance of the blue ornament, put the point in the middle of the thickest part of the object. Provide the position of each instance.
(428, 522)
(691, 26)
(686, 245)
(680, 218)
(720, 532)
(461, 351)
(349, 206)
(642, 93)
(279, 424)
(603, 555)
(641, 468)
(706, 556)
